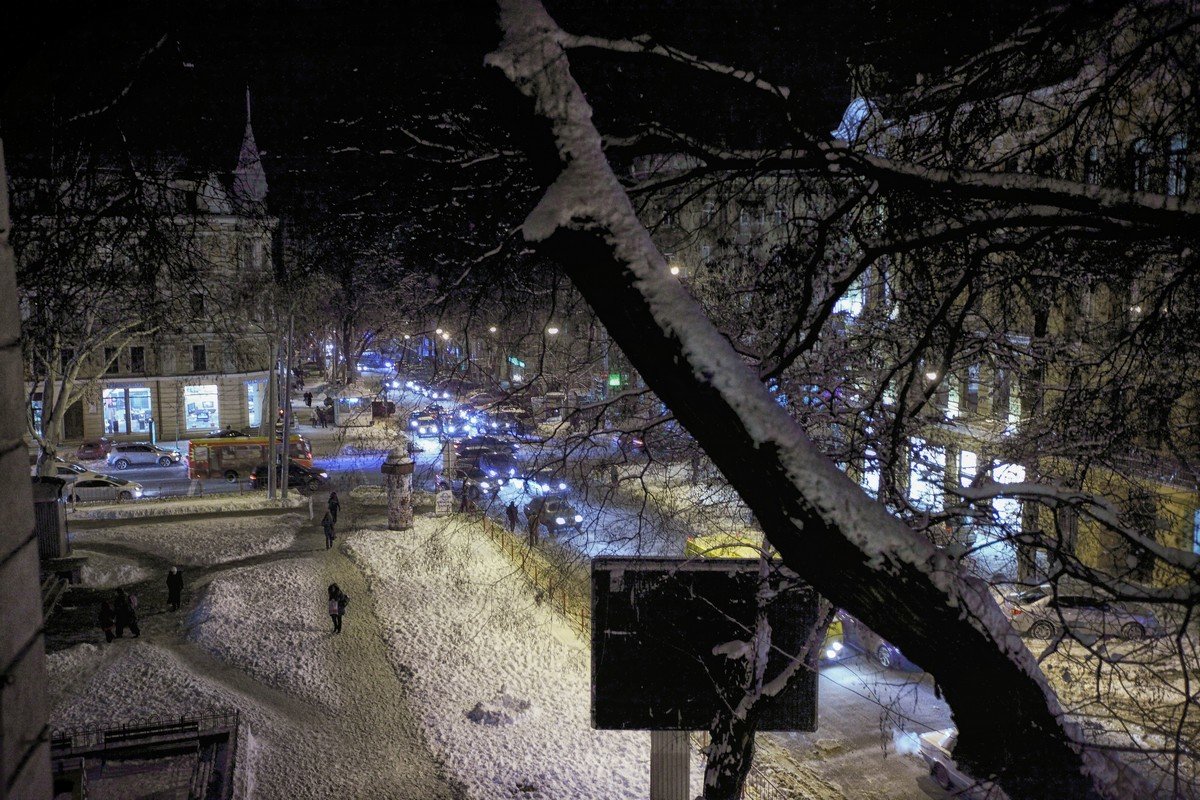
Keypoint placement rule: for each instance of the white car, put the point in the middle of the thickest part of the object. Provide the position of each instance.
(937, 749)
(68, 471)
(102, 487)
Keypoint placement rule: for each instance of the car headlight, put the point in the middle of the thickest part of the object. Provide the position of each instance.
(562, 486)
(485, 485)
(830, 653)
(836, 646)
(560, 521)
(323, 474)
(579, 518)
(413, 424)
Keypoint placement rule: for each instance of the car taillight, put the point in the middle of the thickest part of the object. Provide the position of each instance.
(1017, 612)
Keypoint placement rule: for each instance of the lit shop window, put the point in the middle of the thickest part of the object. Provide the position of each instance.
(200, 405)
(253, 404)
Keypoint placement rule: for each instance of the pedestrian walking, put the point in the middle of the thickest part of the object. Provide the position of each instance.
(535, 522)
(308, 399)
(462, 501)
(338, 600)
(334, 506)
(174, 588)
(327, 525)
(125, 613)
(510, 511)
(107, 619)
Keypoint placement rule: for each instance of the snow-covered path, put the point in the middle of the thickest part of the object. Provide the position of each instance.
(325, 716)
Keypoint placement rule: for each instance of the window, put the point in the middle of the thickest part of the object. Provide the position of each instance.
(925, 475)
(201, 411)
(137, 359)
(1001, 395)
(127, 409)
(111, 362)
(199, 358)
(66, 356)
(705, 251)
(197, 303)
(710, 211)
(116, 420)
(780, 214)
(970, 400)
(968, 466)
(1177, 171)
(253, 403)
(743, 219)
(1091, 165)
(671, 217)
(1139, 157)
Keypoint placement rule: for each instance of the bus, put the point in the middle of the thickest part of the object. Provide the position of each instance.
(237, 456)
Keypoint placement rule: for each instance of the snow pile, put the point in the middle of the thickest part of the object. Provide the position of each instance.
(469, 634)
(202, 542)
(270, 621)
(171, 506)
(104, 571)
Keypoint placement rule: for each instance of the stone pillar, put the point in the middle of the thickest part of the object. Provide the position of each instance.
(24, 750)
(398, 472)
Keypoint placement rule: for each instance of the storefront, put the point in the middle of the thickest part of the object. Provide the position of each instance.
(202, 407)
(126, 409)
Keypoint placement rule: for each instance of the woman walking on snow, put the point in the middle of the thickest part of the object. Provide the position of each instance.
(337, 606)
(327, 525)
(334, 505)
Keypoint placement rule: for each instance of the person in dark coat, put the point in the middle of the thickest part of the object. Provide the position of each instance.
(334, 505)
(308, 399)
(174, 588)
(107, 619)
(125, 612)
(337, 606)
(327, 525)
(510, 511)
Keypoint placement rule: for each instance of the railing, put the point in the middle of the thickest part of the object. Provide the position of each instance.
(150, 728)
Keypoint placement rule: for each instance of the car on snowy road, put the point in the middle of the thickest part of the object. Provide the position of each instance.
(937, 751)
(102, 487)
(140, 454)
(299, 476)
(555, 514)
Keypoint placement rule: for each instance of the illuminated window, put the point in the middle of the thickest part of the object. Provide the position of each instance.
(253, 403)
(1091, 165)
(200, 407)
(1140, 163)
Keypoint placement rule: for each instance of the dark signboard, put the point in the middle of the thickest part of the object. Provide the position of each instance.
(664, 642)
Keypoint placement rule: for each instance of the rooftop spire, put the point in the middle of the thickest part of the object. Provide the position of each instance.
(249, 179)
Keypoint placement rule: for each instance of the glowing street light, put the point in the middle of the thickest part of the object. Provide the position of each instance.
(674, 270)
(931, 376)
(492, 329)
(553, 331)
(446, 336)
(438, 332)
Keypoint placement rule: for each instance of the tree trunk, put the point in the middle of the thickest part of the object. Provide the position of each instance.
(825, 528)
(730, 754)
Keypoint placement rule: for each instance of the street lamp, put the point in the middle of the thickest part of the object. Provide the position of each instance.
(552, 330)
(674, 270)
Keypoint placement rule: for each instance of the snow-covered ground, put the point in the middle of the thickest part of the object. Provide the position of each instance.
(177, 506)
(200, 542)
(104, 571)
(501, 683)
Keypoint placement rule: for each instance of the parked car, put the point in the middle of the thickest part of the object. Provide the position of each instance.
(554, 513)
(1043, 614)
(228, 433)
(68, 471)
(299, 476)
(94, 449)
(481, 444)
(102, 487)
(937, 750)
(128, 454)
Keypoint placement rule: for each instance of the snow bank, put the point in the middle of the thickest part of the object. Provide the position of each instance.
(201, 542)
(478, 649)
(104, 571)
(270, 621)
(171, 506)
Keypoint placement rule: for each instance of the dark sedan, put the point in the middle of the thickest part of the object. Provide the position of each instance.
(299, 477)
